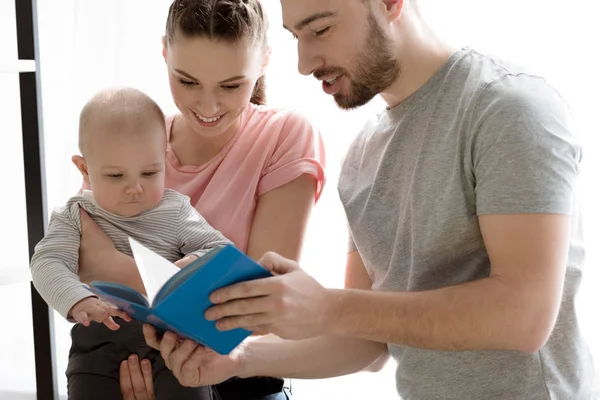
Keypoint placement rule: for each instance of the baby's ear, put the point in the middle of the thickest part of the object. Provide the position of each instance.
(82, 167)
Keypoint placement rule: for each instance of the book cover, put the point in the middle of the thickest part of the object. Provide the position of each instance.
(176, 299)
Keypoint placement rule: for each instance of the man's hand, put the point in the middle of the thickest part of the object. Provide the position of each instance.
(186, 260)
(136, 383)
(192, 364)
(291, 305)
(93, 309)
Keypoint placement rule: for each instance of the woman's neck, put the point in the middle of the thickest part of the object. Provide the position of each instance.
(190, 148)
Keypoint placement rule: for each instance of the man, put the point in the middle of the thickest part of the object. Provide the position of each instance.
(465, 253)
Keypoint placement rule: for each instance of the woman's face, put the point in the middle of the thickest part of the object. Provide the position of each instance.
(212, 81)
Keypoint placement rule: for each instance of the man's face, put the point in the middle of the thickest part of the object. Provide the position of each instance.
(341, 43)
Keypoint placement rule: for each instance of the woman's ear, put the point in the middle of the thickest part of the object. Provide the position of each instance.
(164, 47)
(266, 60)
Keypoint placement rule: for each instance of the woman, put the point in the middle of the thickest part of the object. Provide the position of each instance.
(252, 171)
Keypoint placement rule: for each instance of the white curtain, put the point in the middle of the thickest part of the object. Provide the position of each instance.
(88, 45)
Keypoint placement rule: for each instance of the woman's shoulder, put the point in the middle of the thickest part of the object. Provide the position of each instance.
(279, 121)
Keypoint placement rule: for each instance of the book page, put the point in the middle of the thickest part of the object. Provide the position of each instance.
(154, 269)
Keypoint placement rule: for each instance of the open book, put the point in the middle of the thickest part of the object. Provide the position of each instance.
(176, 299)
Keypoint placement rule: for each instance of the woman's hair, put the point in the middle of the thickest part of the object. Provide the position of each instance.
(230, 20)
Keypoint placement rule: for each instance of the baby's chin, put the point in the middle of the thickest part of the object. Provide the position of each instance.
(130, 210)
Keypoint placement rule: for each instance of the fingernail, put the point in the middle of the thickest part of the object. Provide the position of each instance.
(133, 360)
(209, 315)
(146, 365)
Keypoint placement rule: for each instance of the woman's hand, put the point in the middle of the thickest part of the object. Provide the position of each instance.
(100, 260)
(193, 364)
(136, 383)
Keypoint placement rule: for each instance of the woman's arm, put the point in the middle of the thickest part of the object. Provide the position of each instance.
(281, 218)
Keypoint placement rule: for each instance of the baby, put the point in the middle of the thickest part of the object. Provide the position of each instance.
(122, 140)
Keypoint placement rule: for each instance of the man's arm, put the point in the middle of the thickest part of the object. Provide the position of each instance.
(358, 278)
(316, 358)
(514, 308)
(322, 357)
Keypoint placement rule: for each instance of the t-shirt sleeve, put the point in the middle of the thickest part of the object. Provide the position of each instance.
(351, 244)
(54, 264)
(299, 150)
(525, 156)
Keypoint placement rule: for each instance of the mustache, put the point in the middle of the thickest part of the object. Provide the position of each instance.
(320, 73)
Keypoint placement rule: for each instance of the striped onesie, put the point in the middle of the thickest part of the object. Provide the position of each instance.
(173, 229)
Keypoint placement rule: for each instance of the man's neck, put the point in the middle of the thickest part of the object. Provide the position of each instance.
(421, 54)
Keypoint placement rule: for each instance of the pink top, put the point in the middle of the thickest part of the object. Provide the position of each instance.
(271, 148)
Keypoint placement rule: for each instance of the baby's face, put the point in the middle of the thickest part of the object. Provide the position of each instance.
(127, 171)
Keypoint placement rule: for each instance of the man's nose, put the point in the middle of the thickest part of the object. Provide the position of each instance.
(307, 59)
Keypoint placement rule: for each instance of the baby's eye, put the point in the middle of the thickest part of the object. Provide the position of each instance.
(149, 173)
(115, 175)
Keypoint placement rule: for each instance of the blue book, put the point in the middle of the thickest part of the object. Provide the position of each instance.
(176, 299)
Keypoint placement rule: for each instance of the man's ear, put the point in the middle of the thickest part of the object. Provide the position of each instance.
(394, 9)
(164, 47)
(82, 167)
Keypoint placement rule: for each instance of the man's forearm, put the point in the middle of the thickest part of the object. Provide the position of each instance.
(317, 358)
(484, 314)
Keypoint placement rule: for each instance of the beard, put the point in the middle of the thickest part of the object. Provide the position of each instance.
(375, 69)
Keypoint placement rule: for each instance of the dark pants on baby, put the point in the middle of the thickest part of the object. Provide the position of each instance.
(96, 354)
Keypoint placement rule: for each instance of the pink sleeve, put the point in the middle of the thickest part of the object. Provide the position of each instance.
(299, 150)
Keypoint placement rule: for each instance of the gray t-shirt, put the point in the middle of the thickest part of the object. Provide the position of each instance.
(477, 138)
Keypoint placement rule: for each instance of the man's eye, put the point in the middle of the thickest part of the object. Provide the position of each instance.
(321, 32)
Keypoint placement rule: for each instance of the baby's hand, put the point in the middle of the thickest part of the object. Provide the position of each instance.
(186, 260)
(94, 309)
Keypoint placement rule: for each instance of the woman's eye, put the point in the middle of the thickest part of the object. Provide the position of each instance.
(186, 83)
(231, 87)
